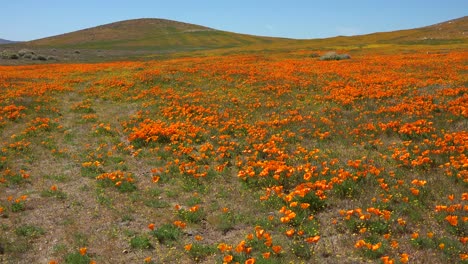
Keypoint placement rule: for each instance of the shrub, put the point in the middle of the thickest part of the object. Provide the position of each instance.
(41, 57)
(334, 56)
(314, 55)
(9, 55)
(24, 52)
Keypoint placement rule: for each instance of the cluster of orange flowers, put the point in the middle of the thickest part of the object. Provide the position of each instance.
(117, 177)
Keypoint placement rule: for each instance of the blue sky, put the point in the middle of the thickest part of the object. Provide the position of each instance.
(33, 19)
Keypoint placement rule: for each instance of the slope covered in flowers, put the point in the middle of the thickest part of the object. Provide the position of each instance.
(268, 158)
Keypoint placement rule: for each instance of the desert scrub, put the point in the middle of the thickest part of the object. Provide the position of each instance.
(9, 55)
(24, 52)
(334, 56)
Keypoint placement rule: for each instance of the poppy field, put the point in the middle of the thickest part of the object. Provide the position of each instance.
(249, 158)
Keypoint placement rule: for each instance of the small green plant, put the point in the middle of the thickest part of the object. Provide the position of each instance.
(167, 233)
(156, 203)
(30, 231)
(18, 206)
(424, 242)
(301, 249)
(77, 258)
(378, 227)
(347, 189)
(56, 194)
(227, 221)
(140, 242)
(199, 252)
(59, 248)
(193, 215)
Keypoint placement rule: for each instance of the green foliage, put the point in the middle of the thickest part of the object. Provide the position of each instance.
(199, 252)
(167, 233)
(192, 216)
(347, 189)
(56, 194)
(18, 207)
(30, 231)
(227, 221)
(301, 249)
(77, 258)
(140, 242)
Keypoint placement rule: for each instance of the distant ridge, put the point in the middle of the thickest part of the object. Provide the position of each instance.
(5, 41)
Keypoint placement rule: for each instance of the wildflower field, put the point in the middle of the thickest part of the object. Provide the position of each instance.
(266, 158)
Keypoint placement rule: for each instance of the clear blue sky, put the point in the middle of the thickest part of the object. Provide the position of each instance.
(33, 19)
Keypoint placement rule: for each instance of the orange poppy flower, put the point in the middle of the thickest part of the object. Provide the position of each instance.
(276, 249)
(290, 232)
(228, 258)
(250, 261)
(313, 239)
(452, 219)
(404, 258)
(376, 246)
(387, 260)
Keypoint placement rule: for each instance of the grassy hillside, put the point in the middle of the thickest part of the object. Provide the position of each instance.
(173, 36)
(150, 34)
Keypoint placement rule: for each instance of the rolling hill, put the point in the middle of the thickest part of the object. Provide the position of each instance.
(455, 30)
(151, 34)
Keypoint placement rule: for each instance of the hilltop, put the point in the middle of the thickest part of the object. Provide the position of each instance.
(150, 33)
